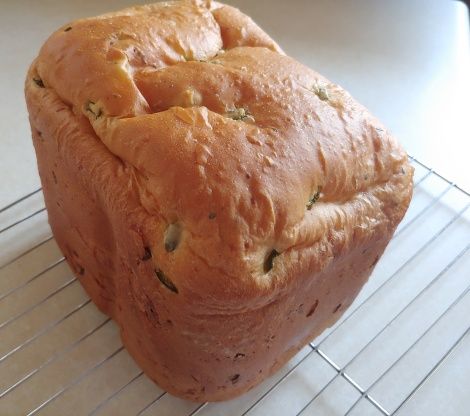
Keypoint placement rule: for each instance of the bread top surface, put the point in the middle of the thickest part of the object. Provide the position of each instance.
(250, 156)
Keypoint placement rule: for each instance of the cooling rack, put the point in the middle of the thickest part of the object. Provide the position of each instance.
(399, 349)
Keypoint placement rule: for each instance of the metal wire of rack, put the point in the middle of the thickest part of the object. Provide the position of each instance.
(400, 339)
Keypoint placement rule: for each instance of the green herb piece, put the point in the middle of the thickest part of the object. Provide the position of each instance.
(92, 108)
(170, 245)
(147, 254)
(172, 237)
(240, 114)
(234, 379)
(269, 262)
(165, 281)
(312, 309)
(38, 82)
(315, 197)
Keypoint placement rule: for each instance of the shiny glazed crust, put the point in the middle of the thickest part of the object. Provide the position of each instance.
(223, 203)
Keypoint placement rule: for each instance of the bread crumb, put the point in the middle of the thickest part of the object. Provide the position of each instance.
(191, 97)
(321, 91)
(268, 161)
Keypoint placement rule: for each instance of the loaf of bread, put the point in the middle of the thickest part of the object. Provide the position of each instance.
(223, 203)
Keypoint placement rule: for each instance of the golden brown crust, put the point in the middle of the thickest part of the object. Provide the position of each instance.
(216, 193)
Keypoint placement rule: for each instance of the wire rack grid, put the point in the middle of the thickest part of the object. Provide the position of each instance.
(399, 349)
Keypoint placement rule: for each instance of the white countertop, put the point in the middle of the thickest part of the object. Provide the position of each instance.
(408, 61)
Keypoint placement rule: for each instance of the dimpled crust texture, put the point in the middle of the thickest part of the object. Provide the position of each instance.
(223, 203)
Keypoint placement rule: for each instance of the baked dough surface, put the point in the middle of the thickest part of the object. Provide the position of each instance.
(221, 201)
